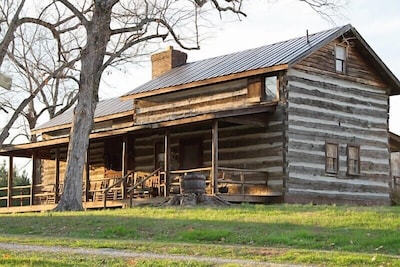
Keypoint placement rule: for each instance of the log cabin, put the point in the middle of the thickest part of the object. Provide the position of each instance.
(299, 121)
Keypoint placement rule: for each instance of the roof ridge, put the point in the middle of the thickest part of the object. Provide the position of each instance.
(271, 44)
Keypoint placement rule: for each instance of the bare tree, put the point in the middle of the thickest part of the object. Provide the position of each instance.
(112, 29)
(39, 85)
(92, 35)
(32, 61)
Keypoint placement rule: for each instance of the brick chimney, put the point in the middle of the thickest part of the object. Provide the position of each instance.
(167, 60)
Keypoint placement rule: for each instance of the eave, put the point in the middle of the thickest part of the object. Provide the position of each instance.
(96, 120)
(27, 149)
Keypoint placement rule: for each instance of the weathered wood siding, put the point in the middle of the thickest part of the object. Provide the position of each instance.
(96, 163)
(358, 67)
(48, 168)
(99, 126)
(192, 102)
(254, 148)
(321, 109)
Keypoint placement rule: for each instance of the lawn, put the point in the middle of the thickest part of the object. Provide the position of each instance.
(298, 234)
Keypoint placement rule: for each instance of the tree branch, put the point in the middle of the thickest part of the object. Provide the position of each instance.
(138, 27)
(228, 8)
(128, 45)
(9, 36)
(5, 131)
(70, 103)
(75, 11)
(217, 5)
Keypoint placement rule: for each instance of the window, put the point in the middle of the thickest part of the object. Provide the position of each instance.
(271, 88)
(332, 158)
(340, 54)
(353, 160)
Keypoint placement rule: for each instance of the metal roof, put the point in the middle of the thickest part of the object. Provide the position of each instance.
(286, 52)
(104, 108)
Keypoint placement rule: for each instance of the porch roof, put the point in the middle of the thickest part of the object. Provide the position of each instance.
(42, 148)
(394, 141)
(104, 109)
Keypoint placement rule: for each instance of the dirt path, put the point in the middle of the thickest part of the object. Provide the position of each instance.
(130, 254)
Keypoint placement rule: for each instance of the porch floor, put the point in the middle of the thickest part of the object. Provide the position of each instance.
(86, 205)
(270, 199)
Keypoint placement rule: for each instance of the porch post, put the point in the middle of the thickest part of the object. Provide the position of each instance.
(10, 180)
(34, 178)
(125, 145)
(87, 174)
(57, 182)
(167, 157)
(214, 158)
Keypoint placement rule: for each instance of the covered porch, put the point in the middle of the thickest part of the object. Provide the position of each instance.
(240, 158)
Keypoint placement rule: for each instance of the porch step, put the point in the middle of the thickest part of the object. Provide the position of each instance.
(100, 204)
(146, 201)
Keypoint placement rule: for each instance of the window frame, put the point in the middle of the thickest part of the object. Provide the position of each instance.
(335, 169)
(264, 87)
(350, 171)
(341, 61)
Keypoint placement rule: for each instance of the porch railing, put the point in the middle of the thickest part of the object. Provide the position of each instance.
(141, 182)
(177, 174)
(236, 176)
(227, 177)
(119, 182)
(20, 196)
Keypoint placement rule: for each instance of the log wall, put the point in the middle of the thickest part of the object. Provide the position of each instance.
(321, 109)
(97, 169)
(239, 146)
(358, 68)
(192, 102)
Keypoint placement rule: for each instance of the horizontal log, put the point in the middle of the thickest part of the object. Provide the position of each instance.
(188, 102)
(246, 182)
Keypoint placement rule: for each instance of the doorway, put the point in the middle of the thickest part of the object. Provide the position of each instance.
(190, 153)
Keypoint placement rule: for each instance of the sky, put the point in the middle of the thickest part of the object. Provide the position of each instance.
(268, 22)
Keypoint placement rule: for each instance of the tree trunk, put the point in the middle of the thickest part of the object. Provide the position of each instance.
(98, 33)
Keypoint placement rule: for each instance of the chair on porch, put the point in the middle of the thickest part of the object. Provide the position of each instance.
(143, 187)
(47, 194)
(96, 190)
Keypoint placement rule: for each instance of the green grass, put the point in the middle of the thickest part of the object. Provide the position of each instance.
(302, 234)
(66, 260)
